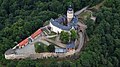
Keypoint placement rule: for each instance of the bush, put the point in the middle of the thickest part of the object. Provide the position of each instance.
(73, 34)
(51, 48)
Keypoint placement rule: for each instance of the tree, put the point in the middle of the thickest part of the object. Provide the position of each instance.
(73, 34)
(85, 59)
(40, 65)
(53, 64)
(64, 37)
(51, 48)
(115, 61)
(1, 26)
(26, 63)
(11, 64)
(65, 64)
(78, 64)
(90, 24)
(117, 53)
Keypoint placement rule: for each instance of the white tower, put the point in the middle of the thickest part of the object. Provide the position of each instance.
(70, 14)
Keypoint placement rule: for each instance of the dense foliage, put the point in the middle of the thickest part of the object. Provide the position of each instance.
(67, 37)
(103, 49)
(73, 34)
(20, 18)
(64, 37)
(51, 48)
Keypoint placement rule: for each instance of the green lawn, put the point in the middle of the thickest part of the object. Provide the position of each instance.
(52, 33)
(40, 47)
(46, 31)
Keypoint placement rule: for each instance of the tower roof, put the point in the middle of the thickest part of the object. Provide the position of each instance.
(70, 8)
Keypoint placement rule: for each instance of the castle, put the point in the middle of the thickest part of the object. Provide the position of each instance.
(25, 48)
(64, 23)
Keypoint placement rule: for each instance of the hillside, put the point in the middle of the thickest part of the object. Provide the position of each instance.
(20, 18)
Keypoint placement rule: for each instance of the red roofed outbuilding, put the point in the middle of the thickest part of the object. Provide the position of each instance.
(39, 31)
(23, 43)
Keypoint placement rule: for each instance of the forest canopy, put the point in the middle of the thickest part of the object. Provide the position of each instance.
(20, 18)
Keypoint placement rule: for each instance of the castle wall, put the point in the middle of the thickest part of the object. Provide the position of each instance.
(55, 29)
(39, 55)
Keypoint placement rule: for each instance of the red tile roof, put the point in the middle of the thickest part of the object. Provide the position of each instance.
(25, 41)
(36, 33)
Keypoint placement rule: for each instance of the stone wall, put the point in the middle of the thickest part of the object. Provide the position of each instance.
(39, 55)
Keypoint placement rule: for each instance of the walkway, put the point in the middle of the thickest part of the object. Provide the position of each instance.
(80, 11)
(56, 43)
(81, 42)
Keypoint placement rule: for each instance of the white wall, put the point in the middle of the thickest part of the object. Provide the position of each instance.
(55, 29)
(14, 56)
